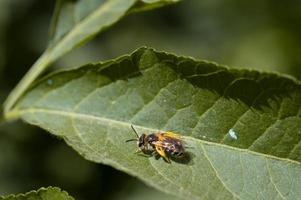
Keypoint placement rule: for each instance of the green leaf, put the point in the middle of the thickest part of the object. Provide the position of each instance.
(49, 193)
(74, 23)
(243, 128)
(144, 5)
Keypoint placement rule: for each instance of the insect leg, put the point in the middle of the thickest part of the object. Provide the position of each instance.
(138, 151)
(161, 152)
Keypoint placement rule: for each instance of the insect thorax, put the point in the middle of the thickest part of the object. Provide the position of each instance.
(151, 138)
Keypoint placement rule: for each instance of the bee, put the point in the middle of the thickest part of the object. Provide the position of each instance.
(166, 144)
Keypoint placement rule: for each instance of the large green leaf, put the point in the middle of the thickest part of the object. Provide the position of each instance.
(49, 193)
(243, 127)
(74, 23)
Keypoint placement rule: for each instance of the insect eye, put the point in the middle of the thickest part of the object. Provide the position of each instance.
(141, 140)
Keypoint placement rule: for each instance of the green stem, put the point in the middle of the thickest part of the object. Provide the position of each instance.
(39, 66)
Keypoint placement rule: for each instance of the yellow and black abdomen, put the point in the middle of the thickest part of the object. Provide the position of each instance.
(173, 147)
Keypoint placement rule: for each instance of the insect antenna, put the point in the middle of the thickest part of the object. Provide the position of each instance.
(131, 140)
(135, 131)
(135, 139)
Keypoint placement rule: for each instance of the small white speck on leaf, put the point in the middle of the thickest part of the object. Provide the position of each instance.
(232, 134)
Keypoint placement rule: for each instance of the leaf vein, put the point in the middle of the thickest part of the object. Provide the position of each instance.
(243, 114)
(151, 100)
(271, 179)
(217, 175)
(294, 148)
(109, 122)
(202, 115)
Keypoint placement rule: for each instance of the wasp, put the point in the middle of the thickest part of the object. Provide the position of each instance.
(166, 144)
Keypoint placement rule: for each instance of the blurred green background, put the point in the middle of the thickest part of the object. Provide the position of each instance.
(261, 34)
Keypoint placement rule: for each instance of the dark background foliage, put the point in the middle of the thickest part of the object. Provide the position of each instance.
(262, 34)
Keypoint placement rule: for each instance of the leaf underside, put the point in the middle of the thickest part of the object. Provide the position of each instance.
(74, 22)
(243, 128)
(41, 194)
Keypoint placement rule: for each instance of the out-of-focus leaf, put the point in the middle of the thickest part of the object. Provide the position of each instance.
(243, 127)
(143, 5)
(41, 194)
(137, 191)
(83, 19)
(74, 23)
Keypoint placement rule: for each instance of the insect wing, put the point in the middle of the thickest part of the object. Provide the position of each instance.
(162, 143)
(172, 135)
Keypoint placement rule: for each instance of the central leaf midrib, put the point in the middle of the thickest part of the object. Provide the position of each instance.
(109, 121)
(84, 21)
(120, 165)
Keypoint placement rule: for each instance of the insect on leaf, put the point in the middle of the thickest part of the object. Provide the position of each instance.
(242, 127)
